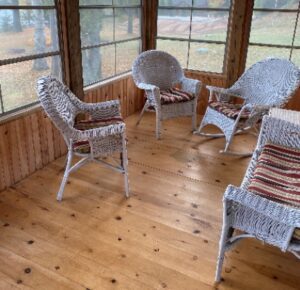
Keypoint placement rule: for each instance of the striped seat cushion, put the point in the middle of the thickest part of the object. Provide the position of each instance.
(228, 109)
(83, 147)
(277, 176)
(175, 95)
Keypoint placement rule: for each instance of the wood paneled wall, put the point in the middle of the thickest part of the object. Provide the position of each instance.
(27, 144)
(130, 97)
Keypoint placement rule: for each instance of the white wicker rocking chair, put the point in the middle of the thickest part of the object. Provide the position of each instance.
(157, 72)
(102, 135)
(259, 208)
(268, 83)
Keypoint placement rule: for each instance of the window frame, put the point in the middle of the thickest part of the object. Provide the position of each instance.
(260, 44)
(191, 40)
(114, 42)
(55, 7)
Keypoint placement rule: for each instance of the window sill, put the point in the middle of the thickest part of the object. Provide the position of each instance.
(206, 74)
(37, 107)
(20, 113)
(107, 82)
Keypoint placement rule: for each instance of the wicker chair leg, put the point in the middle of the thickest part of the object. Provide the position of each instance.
(194, 118)
(141, 115)
(221, 257)
(228, 141)
(124, 162)
(226, 235)
(227, 232)
(66, 175)
(158, 125)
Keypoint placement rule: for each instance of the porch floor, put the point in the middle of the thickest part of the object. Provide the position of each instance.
(165, 236)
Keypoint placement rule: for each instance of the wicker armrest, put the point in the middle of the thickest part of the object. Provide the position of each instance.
(277, 211)
(223, 91)
(98, 133)
(286, 115)
(148, 87)
(191, 86)
(152, 93)
(219, 92)
(101, 110)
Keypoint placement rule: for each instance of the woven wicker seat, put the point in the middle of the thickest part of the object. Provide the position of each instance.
(174, 95)
(267, 205)
(158, 72)
(268, 83)
(83, 147)
(230, 110)
(103, 134)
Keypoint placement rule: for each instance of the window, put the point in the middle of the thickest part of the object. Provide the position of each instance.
(29, 49)
(110, 37)
(275, 31)
(195, 32)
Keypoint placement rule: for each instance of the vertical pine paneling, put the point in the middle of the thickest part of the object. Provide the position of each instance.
(29, 143)
(123, 90)
(5, 163)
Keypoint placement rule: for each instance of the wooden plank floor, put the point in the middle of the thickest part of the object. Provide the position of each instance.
(164, 237)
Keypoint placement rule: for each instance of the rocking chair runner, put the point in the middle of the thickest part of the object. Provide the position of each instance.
(102, 135)
(157, 72)
(267, 205)
(268, 83)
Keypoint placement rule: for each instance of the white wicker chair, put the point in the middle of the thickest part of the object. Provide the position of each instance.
(268, 83)
(157, 72)
(260, 216)
(62, 107)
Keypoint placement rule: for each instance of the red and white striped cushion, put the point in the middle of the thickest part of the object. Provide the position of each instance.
(228, 109)
(91, 124)
(83, 147)
(175, 95)
(277, 176)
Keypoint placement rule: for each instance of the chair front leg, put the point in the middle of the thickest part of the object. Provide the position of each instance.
(227, 232)
(194, 116)
(124, 164)
(228, 136)
(141, 114)
(66, 174)
(158, 123)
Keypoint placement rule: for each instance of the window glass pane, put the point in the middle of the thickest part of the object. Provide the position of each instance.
(126, 54)
(210, 25)
(273, 27)
(212, 3)
(173, 23)
(96, 26)
(127, 23)
(126, 2)
(297, 36)
(296, 57)
(178, 49)
(257, 53)
(98, 63)
(27, 32)
(207, 57)
(176, 3)
(27, 3)
(278, 4)
(18, 81)
(95, 2)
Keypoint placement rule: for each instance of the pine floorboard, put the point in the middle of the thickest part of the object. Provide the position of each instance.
(165, 236)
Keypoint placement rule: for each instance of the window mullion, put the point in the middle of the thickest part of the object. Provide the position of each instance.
(295, 30)
(190, 36)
